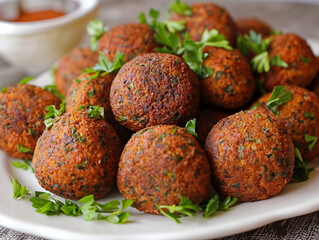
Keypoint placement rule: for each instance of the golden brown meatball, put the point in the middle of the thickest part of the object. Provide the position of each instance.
(22, 112)
(161, 163)
(77, 156)
(154, 89)
(300, 116)
(71, 66)
(251, 156)
(91, 90)
(244, 26)
(209, 16)
(302, 65)
(232, 83)
(205, 119)
(130, 39)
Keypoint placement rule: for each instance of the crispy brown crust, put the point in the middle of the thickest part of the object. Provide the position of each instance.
(250, 155)
(154, 89)
(131, 39)
(161, 163)
(244, 26)
(209, 16)
(232, 84)
(77, 156)
(206, 118)
(291, 49)
(71, 65)
(22, 113)
(295, 120)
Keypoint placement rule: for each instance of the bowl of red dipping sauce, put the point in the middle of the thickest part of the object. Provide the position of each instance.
(36, 33)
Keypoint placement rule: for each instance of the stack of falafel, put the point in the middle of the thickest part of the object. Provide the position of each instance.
(249, 155)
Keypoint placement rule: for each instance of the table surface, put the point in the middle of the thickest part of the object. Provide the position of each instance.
(299, 18)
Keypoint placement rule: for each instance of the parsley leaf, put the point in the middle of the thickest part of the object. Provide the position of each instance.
(25, 80)
(180, 8)
(213, 38)
(53, 89)
(168, 39)
(276, 61)
(25, 165)
(53, 113)
(18, 190)
(94, 111)
(53, 71)
(106, 66)
(260, 63)
(3, 89)
(211, 207)
(22, 149)
(191, 127)
(252, 43)
(95, 29)
(279, 97)
(304, 59)
(227, 203)
(311, 140)
(300, 173)
(185, 208)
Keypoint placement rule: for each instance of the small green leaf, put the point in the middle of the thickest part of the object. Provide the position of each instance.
(311, 140)
(106, 66)
(191, 127)
(3, 89)
(227, 203)
(18, 190)
(95, 30)
(211, 207)
(53, 89)
(25, 165)
(300, 173)
(260, 63)
(276, 61)
(26, 80)
(122, 118)
(304, 59)
(279, 97)
(53, 113)
(309, 115)
(22, 149)
(180, 8)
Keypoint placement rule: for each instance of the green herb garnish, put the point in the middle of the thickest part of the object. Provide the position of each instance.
(300, 173)
(260, 63)
(311, 140)
(95, 30)
(53, 89)
(279, 97)
(25, 165)
(276, 61)
(53, 71)
(180, 8)
(106, 66)
(25, 80)
(22, 149)
(3, 89)
(90, 209)
(309, 115)
(94, 111)
(304, 59)
(191, 127)
(215, 205)
(53, 113)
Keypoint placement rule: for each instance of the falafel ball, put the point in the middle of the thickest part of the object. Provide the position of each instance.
(252, 158)
(300, 116)
(209, 16)
(206, 118)
(161, 163)
(77, 156)
(131, 39)
(244, 26)
(232, 83)
(154, 89)
(71, 65)
(302, 63)
(22, 112)
(94, 90)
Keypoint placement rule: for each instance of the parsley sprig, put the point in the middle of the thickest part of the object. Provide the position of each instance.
(187, 208)
(191, 127)
(53, 113)
(301, 173)
(90, 209)
(94, 111)
(279, 97)
(180, 8)
(311, 140)
(53, 89)
(24, 164)
(25, 80)
(260, 63)
(95, 30)
(277, 61)
(107, 66)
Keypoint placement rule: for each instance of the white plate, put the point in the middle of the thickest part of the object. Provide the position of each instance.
(296, 199)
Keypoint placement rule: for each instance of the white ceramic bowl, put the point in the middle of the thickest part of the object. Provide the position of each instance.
(34, 46)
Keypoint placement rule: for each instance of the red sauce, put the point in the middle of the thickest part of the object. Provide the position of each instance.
(38, 16)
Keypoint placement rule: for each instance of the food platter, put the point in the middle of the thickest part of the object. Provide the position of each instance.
(296, 199)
